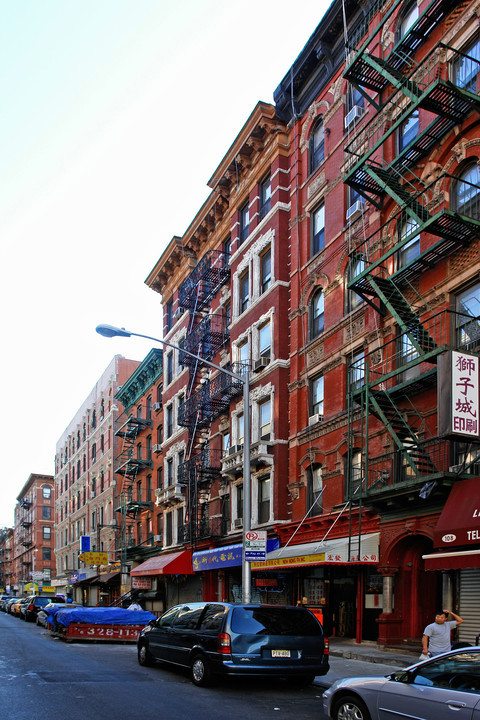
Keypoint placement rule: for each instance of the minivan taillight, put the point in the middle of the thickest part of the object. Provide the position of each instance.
(223, 644)
(30, 607)
(326, 649)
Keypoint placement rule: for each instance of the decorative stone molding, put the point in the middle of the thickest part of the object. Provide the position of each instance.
(355, 328)
(293, 489)
(319, 182)
(315, 355)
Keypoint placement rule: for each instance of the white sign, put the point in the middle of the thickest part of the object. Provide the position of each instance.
(465, 394)
(37, 575)
(255, 545)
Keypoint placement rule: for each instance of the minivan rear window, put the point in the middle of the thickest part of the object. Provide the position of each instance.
(274, 621)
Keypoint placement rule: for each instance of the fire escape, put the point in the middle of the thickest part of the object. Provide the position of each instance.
(132, 461)
(386, 382)
(208, 394)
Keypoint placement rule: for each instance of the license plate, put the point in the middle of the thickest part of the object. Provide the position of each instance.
(281, 653)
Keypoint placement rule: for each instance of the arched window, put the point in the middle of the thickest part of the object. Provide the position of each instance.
(317, 308)
(411, 249)
(314, 490)
(316, 146)
(466, 192)
(355, 267)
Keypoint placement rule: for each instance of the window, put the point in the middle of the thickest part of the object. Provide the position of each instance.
(169, 421)
(466, 67)
(356, 266)
(316, 146)
(240, 429)
(169, 377)
(94, 420)
(314, 490)
(356, 474)
(244, 219)
(94, 452)
(180, 528)
(265, 417)
(411, 249)
(168, 528)
(265, 270)
(316, 397)
(407, 131)
(356, 371)
(468, 318)
(46, 553)
(317, 309)
(265, 196)
(407, 20)
(159, 434)
(46, 533)
(149, 407)
(264, 499)
(169, 472)
(243, 353)
(244, 292)
(169, 314)
(466, 192)
(46, 491)
(239, 501)
(318, 230)
(407, 353)
(354, 99)
(265, 340)
(225, 442)
(227, 311)
(227, 248)
(160, 478)
(46, 512)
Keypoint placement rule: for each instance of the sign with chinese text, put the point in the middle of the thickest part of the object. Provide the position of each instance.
(458, 394)
(94, 558)
(227, 556)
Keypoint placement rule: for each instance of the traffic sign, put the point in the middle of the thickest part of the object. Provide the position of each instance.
(255, 545)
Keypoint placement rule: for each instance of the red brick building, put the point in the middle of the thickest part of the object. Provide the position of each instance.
(34, 539)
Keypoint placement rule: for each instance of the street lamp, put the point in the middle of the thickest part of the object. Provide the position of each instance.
(112, 331)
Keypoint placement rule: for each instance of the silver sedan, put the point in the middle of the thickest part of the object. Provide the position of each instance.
(446, 686)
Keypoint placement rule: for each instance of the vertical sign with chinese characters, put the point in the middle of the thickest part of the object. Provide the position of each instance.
(459, 394)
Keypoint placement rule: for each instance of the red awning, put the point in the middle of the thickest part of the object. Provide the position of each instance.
(459, 522)
(452, 560)
(179, 563)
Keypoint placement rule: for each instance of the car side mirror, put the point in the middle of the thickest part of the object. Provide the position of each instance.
(153, 622)
(403, 676)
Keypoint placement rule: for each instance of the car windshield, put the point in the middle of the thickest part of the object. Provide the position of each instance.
(274, 621)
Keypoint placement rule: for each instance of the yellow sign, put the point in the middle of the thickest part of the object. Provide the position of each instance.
(48, 589)
(94, 558)
(289, 561)
(31, 587)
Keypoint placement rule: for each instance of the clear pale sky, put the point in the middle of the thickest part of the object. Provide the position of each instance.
(115, 113)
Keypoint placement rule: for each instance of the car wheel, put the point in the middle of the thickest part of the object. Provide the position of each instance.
(145, 657)
(350, 707)
(201, 671)
(302, 680)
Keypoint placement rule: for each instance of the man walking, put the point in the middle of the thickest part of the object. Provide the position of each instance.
(437, 636)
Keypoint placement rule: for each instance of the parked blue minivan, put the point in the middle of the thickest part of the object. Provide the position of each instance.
(214, 639)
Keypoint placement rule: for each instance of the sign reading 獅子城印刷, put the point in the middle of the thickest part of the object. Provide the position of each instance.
(458, 394)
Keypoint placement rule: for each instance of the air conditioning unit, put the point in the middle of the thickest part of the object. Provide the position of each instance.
(314, 419)
(92, 495)
(178, 312)
(238, 523)
(158, 492)
(157, 448)
(456, 468)
(260, 364)
(235, 449)
(157, 538)
(355, 114)
(356, 210)
(157, 406)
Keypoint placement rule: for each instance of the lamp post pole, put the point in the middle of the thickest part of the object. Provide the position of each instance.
(244, 378)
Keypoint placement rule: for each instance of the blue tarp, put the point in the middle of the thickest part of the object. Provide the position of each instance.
(100, 616)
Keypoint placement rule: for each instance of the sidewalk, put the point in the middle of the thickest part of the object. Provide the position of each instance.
(369, 651)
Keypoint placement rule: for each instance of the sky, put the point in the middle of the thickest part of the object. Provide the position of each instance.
(115, 113)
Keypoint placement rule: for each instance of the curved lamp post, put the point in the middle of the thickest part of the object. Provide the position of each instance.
(112, 331)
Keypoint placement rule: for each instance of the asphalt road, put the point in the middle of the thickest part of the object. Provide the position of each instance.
(41, 676)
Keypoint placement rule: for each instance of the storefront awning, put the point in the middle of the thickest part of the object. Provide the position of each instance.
(328, 552)
(108, 577)
(179, 563)
(452, 560)
(459, 521)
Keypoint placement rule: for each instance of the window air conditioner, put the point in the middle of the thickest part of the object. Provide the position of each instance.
(179, 311)
(238, 523)
(157, 406)
(158, 492)
(356, 210)
(157, 448)
(354, 115)
(314, 419)
(260, 364)
(157, 538)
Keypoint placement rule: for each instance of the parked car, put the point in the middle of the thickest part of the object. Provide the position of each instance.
(3, 601)
(448, 685)
(33, 604)
(16, 605)
(234, 639)
(9, 603)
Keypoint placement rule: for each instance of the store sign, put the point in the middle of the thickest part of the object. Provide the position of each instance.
(458, 395)
(141, 583)
(94, 558)
(227, 556)
(339, 558)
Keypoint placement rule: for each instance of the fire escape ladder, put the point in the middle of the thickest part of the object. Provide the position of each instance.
(407, 319)
(404, 437)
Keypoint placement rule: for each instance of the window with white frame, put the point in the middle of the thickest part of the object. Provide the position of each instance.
(356, 370)
(314, 490)
(411, 249)
(317, 397)
(238, 492)
(265, 340)
(244, 219)
(240, 429)
(317, 313)
(316, 146)
(169, 472)
(265, 270)
(466, 67)
(317, 225)
(243, 352)
(244, 294)
(468, 318)
(263, 499)
(265, 196)
(466, 191)
(226, 442)
(265, 419)
(169, 420)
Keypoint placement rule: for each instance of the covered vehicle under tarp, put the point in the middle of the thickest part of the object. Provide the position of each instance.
(100, 616)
